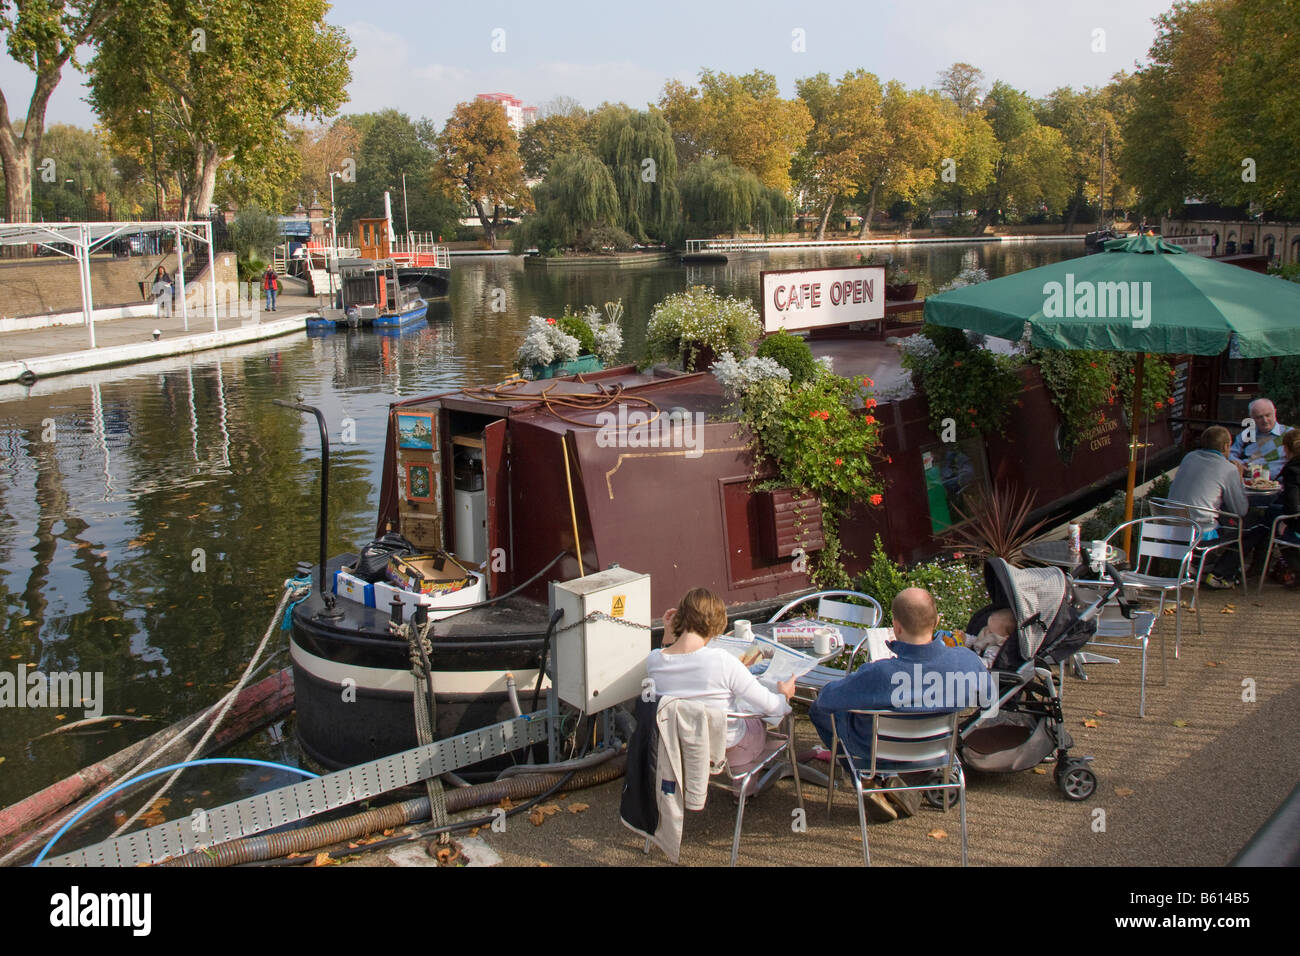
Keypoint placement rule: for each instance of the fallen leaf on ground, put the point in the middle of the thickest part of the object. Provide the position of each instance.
(1211, 663)
(15, 657)
(1170, 610)
(1090, 723)
(1040, 770)
(324, 859)
(1180, 723)
(506, 804)
(28, 623)
(1099, 713)
(536, 817)
(578, 807)
(60, 716)
(473, 831)
(549, 808)
(1228, 610)
(1124, 792)
(938, 834)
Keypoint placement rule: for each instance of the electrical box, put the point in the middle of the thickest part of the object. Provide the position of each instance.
(601, 663)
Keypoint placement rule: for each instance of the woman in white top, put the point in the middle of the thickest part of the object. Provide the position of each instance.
(688, 667)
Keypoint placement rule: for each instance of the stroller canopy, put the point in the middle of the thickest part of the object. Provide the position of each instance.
(1034, 595)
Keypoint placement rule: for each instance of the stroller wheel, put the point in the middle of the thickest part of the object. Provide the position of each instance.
(941, 799)
(1076, 780)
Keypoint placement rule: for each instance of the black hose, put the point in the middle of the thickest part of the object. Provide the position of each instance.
(546, 647)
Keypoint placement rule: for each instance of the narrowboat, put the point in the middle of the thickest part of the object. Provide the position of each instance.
(371, 296)
(523, 491)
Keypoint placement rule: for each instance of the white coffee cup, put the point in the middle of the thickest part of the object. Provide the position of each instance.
(743, 631)
(822, 641)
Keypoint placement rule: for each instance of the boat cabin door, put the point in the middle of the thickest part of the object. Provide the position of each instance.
(480, 499)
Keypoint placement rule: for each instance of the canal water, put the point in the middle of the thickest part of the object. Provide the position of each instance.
(150, 514)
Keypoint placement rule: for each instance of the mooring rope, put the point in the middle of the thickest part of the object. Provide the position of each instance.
(553, 400)
(295, 589)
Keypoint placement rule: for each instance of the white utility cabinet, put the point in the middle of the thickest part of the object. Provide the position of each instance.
(601, 663)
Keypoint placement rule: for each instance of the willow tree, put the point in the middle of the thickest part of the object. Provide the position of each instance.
(195, 87)
(578, 196)
(637, 148)
(43, 37)
(717, 196)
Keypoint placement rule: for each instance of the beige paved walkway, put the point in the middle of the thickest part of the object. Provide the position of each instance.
(1187, 786)
(59, 340)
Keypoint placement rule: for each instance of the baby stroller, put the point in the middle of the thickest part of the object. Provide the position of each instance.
(1027, 725)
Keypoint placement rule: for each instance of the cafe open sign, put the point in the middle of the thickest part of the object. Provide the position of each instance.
(811, 298)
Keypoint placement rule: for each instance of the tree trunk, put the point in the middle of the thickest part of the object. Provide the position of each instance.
(865, 231)
(206, 164)
(489, 225)
(826, 217)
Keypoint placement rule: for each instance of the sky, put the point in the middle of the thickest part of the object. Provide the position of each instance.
(424, 58)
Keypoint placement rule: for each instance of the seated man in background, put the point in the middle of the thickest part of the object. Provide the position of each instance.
(1267, 446)
(881, 685)
(1207, 479)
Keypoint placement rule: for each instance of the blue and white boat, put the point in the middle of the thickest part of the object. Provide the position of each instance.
(371, 296)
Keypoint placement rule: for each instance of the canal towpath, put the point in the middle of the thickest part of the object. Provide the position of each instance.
(58, 350)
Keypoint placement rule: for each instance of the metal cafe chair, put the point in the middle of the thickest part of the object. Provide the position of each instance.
(902, 744)
(1231, 529)
(1115, 630)
(1162, 536)
(756, 778)
(1273, 540)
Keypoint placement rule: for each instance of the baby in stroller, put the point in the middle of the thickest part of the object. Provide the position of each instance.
(988, 642)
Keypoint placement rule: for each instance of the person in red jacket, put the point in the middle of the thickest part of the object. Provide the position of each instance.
(270, 285)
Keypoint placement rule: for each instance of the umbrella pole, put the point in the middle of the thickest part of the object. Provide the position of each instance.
(1134, 415)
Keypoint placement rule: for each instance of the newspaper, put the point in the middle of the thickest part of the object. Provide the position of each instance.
(767, 660)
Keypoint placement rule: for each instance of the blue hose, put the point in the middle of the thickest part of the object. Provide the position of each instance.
(153, 773)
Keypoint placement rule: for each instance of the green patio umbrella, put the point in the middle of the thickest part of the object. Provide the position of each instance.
(1141, 295)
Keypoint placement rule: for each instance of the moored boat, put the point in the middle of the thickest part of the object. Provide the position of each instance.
(371, 296)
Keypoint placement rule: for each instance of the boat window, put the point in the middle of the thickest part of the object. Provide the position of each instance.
(955, 474)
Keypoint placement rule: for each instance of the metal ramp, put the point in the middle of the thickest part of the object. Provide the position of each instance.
(268, 811)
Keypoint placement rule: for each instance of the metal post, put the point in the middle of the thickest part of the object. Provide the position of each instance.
(83, 267)
(330, 610)
(212, 278)
(1135, 413)
(180, 278)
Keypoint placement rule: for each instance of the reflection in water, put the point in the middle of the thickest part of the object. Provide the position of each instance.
(150, 537)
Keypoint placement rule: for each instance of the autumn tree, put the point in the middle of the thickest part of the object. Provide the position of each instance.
(480, 163)
(974, 153)
(207, 85)
(964, 85)
(904, 162)
(43, 37)
(1029, 159)
(848, 125)
(322, 150)
(743, 118)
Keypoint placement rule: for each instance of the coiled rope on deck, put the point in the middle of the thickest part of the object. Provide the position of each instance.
(554, 399)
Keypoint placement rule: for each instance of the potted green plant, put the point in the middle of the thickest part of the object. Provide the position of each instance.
(900, 286)
(571, 344)
(696, 326)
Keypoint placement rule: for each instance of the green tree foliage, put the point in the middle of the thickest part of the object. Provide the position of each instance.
(718, 196)
(637, 149)
(220, 82)
(564, 128)
(974, 155)
(254, 232)
(577, 196)
(82, 157)
(1029, 167)
(479, 163)
(43, 37)
(390, 145)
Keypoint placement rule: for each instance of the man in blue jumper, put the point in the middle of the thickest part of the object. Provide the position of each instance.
(926, 676)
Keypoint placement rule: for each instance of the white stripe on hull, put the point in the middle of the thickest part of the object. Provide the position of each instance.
(401, 682)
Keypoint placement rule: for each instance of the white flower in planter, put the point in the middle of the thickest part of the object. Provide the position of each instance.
(544, 343)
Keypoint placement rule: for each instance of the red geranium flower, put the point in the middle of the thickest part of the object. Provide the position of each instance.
(877, 499)
(871, 419)
(871, 403)
(550, 321)
(1101, 419)
(868, 382)
(956, 364)
(839, 461)
(1093, 364)
(826, 416)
